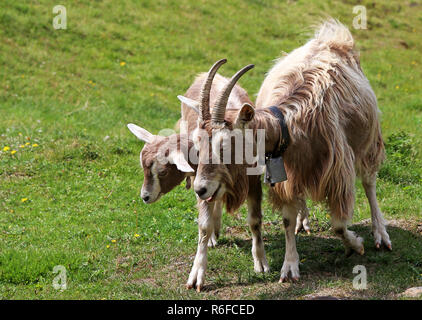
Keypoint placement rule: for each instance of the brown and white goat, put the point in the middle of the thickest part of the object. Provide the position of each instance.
(160, 176)
(331, 114)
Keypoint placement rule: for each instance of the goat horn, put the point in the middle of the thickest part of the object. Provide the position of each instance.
(220, 106)
(204, 107)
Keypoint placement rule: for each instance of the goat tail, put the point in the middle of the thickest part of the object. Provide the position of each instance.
(335, 35)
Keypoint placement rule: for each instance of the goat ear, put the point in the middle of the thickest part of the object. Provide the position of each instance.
(245, 115)
(179, 160)
(141, 133)
(194, 105)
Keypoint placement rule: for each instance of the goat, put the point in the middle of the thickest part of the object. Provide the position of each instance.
(160, 178)
(331, 114)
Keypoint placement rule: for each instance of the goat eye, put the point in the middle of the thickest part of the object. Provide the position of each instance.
(162, 173)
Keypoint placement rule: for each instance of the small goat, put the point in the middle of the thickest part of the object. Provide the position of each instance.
(160, 178)
(332, 117)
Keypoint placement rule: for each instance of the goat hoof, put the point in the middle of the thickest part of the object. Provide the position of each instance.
(306, 229)
(261, 265)
(387, 245)
(382, 238)
(198, 288)
(189, 286)
(282, 280)
(286, 279)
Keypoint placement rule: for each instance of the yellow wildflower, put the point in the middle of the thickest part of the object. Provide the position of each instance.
(397, 87)
(13, 152)
(22, 146)
(107, 246)
(35, 145)
(27, 144)
(114, 241)
(136, 235)
(122, 64)
(24, 199)
(6, 148)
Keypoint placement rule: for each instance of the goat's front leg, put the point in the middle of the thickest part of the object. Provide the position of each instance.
(291, 258)
(205, 229)
(378, 223)
(255, 223)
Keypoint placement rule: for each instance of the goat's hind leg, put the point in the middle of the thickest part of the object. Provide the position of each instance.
(291, 258)
(302, 221)
(378, 223)
(255, 224)
(205, 229)
(351, 241)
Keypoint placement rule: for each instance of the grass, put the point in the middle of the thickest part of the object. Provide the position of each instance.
(69, 96)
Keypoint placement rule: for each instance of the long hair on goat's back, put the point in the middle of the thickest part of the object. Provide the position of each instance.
(332, 115)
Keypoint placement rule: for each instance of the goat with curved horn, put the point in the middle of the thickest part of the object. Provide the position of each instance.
(204, 107)
(220, 107)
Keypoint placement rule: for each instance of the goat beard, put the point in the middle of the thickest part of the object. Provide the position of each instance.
(235, 180)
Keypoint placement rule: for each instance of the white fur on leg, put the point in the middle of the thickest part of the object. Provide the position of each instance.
(216, 216)
(258, 250)
(291, 258)
(212, 242)
(260, 263)
(197, 274)
(378, 223)
(302, 221)
(350, 240)
(292, 267)
(205, 226)
(380, 234)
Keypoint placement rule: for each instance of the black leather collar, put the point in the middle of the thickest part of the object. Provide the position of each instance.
(285, 137)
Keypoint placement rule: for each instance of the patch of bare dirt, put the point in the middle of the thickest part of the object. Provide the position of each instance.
(330, 294)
